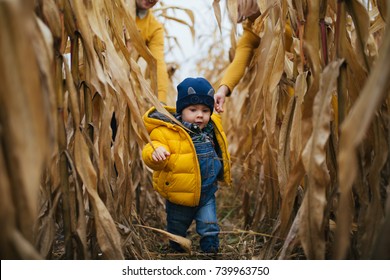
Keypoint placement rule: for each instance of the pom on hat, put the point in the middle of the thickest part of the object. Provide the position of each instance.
(194, 91)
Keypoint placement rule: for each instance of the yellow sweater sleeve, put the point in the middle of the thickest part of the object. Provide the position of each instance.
(153, 34)
(244, 53)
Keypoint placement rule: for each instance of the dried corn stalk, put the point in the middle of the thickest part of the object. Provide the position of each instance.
(293, 142)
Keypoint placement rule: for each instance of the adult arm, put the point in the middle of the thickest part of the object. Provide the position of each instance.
(235, 71)
(156, 46)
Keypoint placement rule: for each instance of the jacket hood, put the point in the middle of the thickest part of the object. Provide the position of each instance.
(153, 118)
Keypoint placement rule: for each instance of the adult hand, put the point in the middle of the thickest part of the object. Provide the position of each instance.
(160, 154)
(219, 98)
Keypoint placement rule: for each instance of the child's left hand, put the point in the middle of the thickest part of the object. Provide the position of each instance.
(160, 154)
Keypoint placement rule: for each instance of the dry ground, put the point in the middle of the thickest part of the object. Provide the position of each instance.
(236, 241)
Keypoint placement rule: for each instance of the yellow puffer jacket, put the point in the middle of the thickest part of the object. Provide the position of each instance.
(178, 178)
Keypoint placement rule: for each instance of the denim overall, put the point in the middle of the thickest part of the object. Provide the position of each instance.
(179, 218)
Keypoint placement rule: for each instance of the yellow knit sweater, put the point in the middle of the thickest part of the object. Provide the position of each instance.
(153, 34)
(246, 46)
(244, 53)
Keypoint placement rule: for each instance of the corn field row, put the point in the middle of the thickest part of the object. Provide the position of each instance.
(308, 129)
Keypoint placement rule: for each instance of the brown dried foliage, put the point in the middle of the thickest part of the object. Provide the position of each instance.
(321, 153)
(308, 132)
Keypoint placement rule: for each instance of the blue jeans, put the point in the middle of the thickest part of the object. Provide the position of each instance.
(179, 217)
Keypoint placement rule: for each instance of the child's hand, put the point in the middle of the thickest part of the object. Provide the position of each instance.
(160, 154)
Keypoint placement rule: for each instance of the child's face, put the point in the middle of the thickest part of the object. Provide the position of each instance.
(198, 114)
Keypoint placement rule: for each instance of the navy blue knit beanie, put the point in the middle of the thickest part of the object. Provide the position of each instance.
(194, 91)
